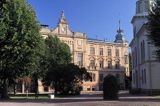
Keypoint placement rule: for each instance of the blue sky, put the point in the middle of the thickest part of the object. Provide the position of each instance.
(93, 17)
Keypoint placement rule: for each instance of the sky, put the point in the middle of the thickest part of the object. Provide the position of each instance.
(97, 18)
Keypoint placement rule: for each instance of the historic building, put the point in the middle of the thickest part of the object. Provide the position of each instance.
(145, 67)
(99, 57)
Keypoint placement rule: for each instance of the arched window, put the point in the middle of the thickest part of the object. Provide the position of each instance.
(142, 51)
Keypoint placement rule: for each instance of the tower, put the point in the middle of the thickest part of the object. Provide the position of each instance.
(143, 7)
(120, 38)
(62, 25)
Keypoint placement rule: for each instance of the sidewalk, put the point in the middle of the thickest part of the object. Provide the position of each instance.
(88, 99)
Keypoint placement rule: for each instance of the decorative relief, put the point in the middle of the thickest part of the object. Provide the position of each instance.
(79, 44)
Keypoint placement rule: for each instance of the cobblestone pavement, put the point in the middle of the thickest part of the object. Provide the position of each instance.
(88, 99)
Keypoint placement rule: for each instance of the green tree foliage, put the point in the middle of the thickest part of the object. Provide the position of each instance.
(65, 78)
(19, 41)
(57, 52)
(110, 88)
(154, 28)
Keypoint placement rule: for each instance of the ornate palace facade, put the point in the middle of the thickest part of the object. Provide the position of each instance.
(99, 57)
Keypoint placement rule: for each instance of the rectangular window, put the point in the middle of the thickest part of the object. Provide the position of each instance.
(109, 64)
(92, 50)
(93, 76)
(117, 65)
(117, 52)
(109, 52)
(101, 63)
(145, 76)
(143, 51)
(142, 77)
(80, 59)
(126, 59)
(92, 63)
(101, 51)
(133, 76)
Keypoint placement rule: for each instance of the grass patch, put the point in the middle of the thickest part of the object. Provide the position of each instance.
(29, 97)
(41, 96)
(158, 97)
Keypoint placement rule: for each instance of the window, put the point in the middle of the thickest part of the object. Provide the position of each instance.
(138, 10)
(135, 56)
(92, 50)
(101, 64)
(109, 52)
(92, 63)
(126, 59)
(133, 76)
(45, 88)
(93, 76)
(101, 51)
(142, 51)
(88, 89)
(144, 76)
(117, 65)
(80, 59)
(101, 77)
(109, 64)
(117, 52)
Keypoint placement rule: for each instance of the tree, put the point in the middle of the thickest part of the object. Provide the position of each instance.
(110, 88)
(19, 41)
(68, 79)
(57, 55)
(153, 28)
(39, 65)
(128, 79)
(65, 78)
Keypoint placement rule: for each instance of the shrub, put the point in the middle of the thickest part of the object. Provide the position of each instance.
(110, 88)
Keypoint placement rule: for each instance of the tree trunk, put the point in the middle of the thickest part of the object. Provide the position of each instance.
(36, 86)
(15, 88)
(5, 90)
(55, 89)
(23, 87)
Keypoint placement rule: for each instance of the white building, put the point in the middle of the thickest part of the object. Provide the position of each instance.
(145, 67)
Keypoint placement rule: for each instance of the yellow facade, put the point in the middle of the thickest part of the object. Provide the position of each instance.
(99, 57)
